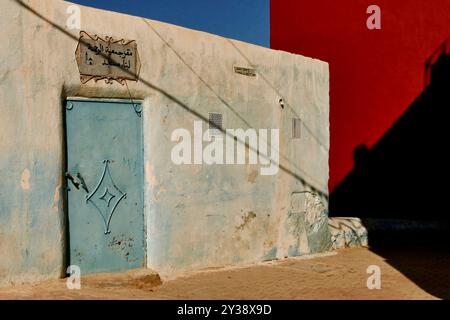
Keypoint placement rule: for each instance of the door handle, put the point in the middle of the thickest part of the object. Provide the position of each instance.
(74, 182)
(83, 184)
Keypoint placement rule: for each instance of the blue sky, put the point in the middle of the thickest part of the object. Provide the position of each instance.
(246, 20)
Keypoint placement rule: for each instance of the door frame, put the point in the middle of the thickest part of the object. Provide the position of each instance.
(66, 229)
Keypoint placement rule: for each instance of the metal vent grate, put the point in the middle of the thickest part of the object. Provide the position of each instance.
(215, 124)
(296, 128)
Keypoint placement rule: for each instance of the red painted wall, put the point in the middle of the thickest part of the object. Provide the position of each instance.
(374, 74)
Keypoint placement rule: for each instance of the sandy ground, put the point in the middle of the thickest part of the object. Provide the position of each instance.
(336, 275)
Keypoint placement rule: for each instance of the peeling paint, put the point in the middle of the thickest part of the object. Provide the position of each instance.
(271, 255)
(57, 198)
(25, 179)
(252, 176)
(246, 220)
(149, 177)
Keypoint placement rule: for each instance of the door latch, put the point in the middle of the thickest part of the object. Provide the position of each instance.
(83, 184)
(74, 182)
(78, 182)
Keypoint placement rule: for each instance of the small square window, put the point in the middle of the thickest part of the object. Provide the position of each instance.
(215, 124)
(296, 128)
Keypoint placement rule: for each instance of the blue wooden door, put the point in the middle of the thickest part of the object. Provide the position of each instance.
(105, 185)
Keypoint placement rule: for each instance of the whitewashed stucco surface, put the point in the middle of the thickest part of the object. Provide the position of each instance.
(197, 216)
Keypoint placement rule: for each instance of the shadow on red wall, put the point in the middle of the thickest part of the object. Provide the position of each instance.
(374, 74)
(403, 176)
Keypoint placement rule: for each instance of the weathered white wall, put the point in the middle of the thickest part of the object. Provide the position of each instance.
(197, 215)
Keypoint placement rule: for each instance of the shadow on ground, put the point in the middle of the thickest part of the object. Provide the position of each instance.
(427, 266)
